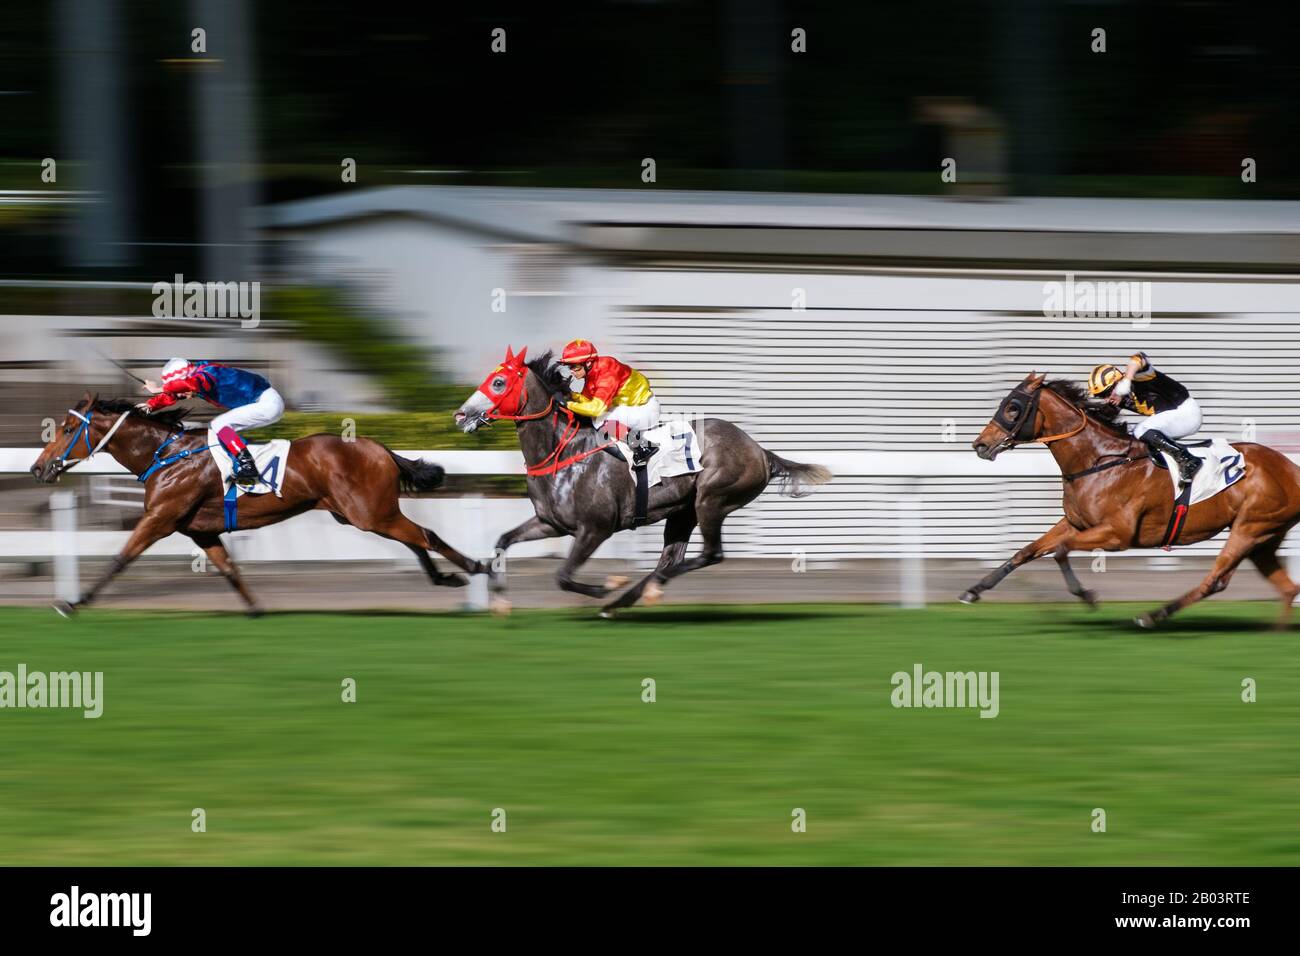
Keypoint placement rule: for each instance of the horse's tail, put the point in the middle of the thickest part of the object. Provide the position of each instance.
(794, 476)
(418, 475)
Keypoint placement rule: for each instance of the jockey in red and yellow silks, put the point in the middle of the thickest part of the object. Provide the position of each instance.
(615, 396)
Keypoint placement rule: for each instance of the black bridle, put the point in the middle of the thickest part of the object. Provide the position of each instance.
(1017, 413)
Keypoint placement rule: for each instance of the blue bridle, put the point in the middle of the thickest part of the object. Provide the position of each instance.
(83, 431)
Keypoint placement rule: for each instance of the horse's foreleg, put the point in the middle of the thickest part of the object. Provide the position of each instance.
(1239, 545)
(1048, 543)
(534, 529)
(1062, 557)
(152, 527)
(585, 543)
(220, 557)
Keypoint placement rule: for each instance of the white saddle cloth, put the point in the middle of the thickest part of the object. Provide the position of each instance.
(272, 460)
(1223, 466)
(679, 451)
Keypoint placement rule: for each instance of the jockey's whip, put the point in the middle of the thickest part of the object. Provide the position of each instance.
(122, 368)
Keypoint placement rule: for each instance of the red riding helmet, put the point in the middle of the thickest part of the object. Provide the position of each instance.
(578, 352)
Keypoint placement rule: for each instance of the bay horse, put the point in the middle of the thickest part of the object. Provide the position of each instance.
(356, 481)
(578, 488)
(1116, 498)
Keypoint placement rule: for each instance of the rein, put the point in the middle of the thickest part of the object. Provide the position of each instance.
(1123, 460)
(159, 463)
(552, 462)
(1016, 416)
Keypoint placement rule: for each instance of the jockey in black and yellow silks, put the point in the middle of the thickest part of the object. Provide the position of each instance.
(1169, 409)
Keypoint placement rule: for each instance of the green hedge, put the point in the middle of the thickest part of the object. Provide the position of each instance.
(431, 429)
(359, 340)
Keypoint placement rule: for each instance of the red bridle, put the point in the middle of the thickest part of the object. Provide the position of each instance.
(552, 462)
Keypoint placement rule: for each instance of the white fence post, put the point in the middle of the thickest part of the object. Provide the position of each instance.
(63, 518)
(911, 563)
(476, 593)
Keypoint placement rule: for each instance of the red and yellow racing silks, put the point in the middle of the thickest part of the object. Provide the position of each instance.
(609, 383)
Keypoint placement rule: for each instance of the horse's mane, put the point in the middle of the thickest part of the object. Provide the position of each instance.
(113, 406)
(553, 378)
(556, 382)
(1103, 413)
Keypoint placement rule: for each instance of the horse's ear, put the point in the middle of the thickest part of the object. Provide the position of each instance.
(88, 401)
(523, 352)
(1033, 380)
(510, 355)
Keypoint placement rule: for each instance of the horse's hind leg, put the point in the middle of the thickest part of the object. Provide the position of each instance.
(219, 556)
(1239, 545)
(1267, 562)
(399, 527)
(677, 534)
(439, 578)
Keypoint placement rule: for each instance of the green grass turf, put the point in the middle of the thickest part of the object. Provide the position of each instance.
(760, 710)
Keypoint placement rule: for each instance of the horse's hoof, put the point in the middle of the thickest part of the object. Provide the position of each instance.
(615, 581)
(652, 594)
(1145, 621)
(256, 611)
(452, 580)
(1090, 598)
(608, 614)
(499, 606)
(64, 608)
(970, 597)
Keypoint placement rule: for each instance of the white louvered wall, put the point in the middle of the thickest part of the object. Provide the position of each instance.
(878, 363)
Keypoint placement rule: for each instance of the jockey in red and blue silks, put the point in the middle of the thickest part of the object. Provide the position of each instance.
(250, 401)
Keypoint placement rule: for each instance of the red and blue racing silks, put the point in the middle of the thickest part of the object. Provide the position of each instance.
(220, 385)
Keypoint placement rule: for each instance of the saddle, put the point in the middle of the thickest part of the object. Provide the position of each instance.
(678, 453)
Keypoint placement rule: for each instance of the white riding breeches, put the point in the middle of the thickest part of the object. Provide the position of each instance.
(266, 410)
(1175, 423)
(636, 417)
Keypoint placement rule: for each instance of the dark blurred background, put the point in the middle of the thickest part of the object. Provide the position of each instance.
(587, 89)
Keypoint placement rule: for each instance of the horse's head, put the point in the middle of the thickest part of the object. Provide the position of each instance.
(74, 441)
(1016, 422)
(501, 394)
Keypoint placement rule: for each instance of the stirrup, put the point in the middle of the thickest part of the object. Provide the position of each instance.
(642, 453)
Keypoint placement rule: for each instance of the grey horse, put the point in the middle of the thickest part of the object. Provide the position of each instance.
(579, 489)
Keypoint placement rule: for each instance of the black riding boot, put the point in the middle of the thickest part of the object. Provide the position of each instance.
(642, 450)
(1188, 464)
(245, 469)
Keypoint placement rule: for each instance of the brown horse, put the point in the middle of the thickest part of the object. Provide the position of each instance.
(1116, 498)
(356, 481)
